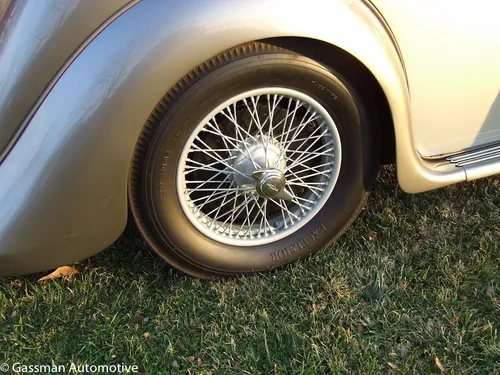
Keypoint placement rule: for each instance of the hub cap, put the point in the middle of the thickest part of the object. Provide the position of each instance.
(271, 183)
(259, 166)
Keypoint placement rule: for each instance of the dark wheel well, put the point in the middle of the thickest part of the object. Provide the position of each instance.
(356, 73)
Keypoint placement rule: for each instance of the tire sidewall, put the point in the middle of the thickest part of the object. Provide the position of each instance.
(171, 228)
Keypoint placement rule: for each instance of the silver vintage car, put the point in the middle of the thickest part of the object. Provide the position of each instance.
(240, 135)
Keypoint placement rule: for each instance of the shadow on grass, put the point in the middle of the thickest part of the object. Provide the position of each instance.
(415, 277)
(458, 213)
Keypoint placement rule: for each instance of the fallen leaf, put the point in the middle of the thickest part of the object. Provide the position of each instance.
(440, 365)
(361, 329)
(467, 260)
(373, 236)
(489, 291)
(481, 251)
(454, 320)
(393, 365)
(191, 358)
(192, 331)
(60, 272)
(16, 283)
(147, 335)
(404, 283)
(138, 318)
(276, 369)
(199, 362)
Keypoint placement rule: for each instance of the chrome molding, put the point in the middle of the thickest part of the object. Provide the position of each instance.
(470, 158)
(478, 163)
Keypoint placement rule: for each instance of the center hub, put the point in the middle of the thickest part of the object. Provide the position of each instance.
(269, 183)
(259, 164)
(257, 155)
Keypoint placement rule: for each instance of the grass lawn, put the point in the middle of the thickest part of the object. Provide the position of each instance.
(416, 277)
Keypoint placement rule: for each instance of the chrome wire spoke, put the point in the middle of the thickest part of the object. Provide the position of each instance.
(323, 173)
(219, 215)
(212, 224)
(205, 167)
(310, 153)
(292, 129)
(299, 128)
(308, 185)
(239, 130)
(222, 189)
(303, 183)
(302, 139)
(259, 167)
(214, 198)
(221, 160)
(294, 112)
(304, 159)
(236, 211)
(276, 102)
(307, 168)
(255, 119)
(311, 145)
(285, 208)
(263, 220)
(248, 218)
(226, 138)
(227, 113)
(248, 232)
(254, 114)
(210, 197)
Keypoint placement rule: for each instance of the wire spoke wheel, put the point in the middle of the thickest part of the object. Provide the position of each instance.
(255, 159)
(259, 166)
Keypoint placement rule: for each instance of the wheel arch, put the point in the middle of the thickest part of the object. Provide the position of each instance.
(358, 75)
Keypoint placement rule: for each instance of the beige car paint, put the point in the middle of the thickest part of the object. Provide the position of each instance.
(451, 50)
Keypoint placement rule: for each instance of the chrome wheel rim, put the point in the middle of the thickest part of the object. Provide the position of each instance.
(259, 166)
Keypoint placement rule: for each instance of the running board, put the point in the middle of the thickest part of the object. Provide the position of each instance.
(478, 163)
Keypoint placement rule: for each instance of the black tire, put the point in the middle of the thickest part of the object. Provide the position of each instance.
(152, 190)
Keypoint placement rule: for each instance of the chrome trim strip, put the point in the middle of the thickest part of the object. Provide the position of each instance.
(483, 169)
(458, 153)
(479, 160)
(482, 158)
(474, 155)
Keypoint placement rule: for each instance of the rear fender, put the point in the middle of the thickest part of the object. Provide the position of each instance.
(64, 184)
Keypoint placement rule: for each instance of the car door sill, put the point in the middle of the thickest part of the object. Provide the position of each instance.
(477, 162)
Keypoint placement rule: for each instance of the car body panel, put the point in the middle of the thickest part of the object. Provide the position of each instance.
(36, 39)
(452, 56)
(63, 185)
